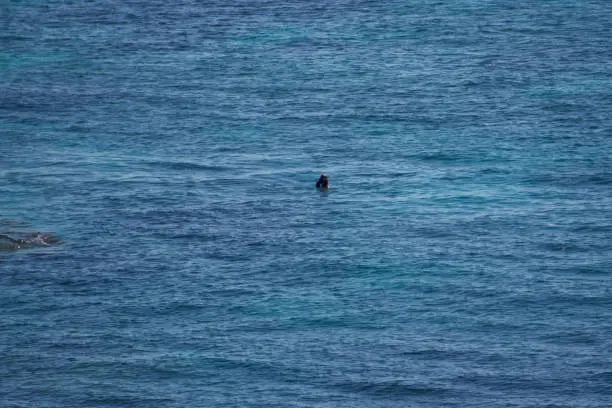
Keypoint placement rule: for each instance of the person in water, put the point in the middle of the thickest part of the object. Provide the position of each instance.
(323, 182)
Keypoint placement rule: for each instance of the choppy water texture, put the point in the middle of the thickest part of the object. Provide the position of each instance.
(462, 258)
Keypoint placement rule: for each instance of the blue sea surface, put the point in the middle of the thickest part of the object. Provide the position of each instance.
(168, 152)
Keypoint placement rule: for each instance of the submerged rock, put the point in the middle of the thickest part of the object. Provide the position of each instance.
(20, 241)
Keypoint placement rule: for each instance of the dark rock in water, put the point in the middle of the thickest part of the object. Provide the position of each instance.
(20, 241)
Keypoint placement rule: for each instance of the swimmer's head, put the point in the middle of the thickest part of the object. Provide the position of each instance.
(323, 181)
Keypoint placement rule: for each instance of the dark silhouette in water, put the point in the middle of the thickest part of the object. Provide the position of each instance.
(35, 240)
(323, 182)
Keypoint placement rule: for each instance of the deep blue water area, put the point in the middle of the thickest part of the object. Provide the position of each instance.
(168, 152)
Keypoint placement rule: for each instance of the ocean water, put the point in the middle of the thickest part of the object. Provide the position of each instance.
(168, 151)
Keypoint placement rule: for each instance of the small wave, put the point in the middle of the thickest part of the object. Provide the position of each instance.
(185, 166)
(600, 179)
(563, 247)
(11, 224)
(494, 170)
(389, 388)
(431, 354)
(570, 180)
(443, 157)
(604, 377)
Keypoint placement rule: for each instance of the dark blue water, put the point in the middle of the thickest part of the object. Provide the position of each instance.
(169, 150)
